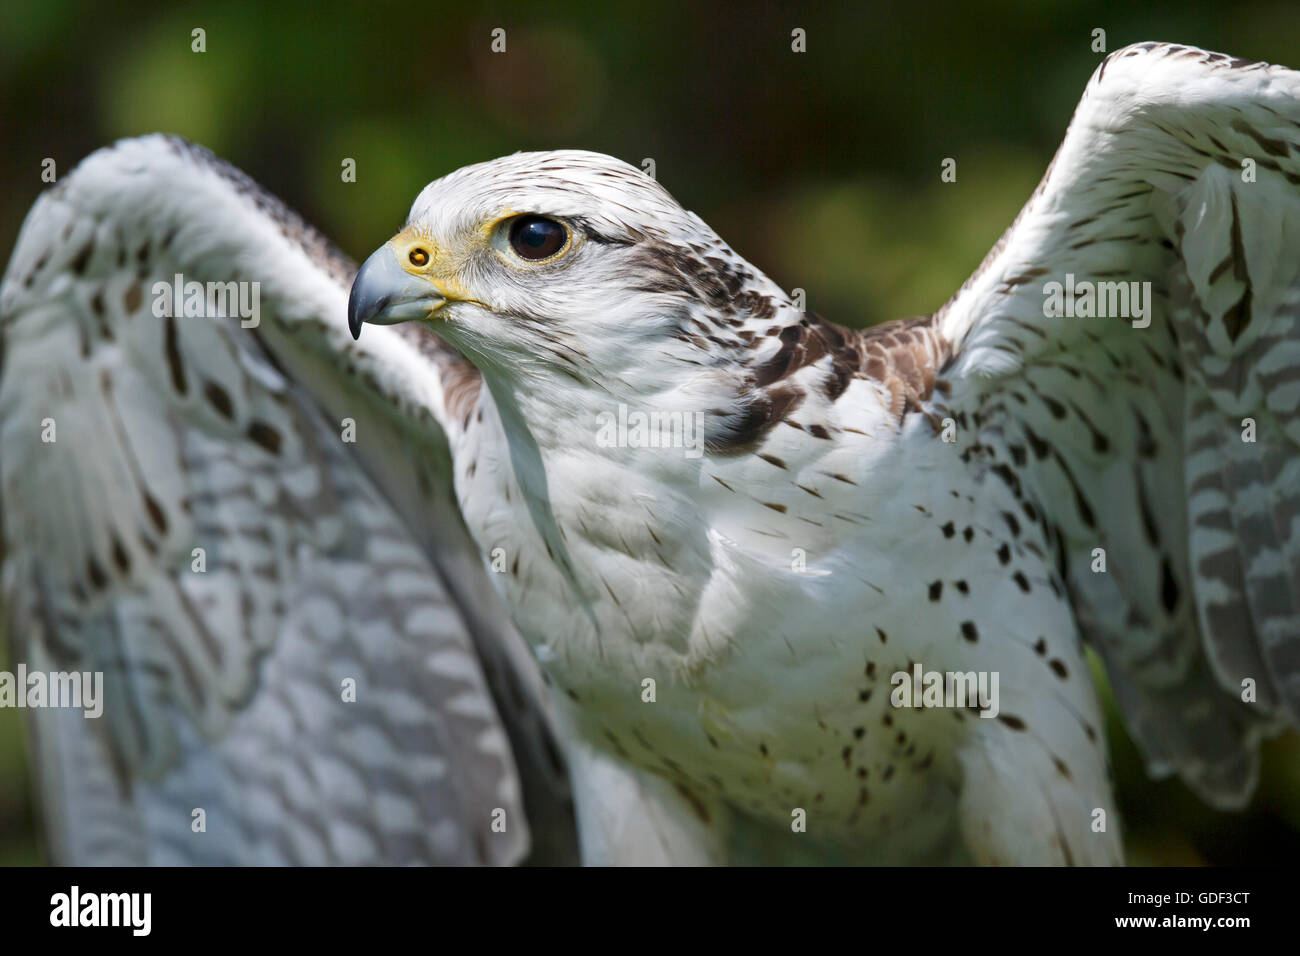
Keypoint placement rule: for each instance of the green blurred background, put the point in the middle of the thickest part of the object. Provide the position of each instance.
(822, 167)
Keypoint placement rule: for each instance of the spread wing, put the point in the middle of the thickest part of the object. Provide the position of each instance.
(249, 529)
(1172, 446)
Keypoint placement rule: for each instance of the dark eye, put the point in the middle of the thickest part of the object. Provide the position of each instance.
(536, 237)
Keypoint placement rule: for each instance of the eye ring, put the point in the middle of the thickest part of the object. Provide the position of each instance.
(418, 257)
(537, 238)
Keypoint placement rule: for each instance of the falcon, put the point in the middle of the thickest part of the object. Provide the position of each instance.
(740, 540)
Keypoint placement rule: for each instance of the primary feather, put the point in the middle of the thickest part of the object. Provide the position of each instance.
(199, 531)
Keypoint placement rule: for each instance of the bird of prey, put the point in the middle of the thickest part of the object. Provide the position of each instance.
(735, 535)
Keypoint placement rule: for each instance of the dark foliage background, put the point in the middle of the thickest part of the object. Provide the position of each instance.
(822, 167)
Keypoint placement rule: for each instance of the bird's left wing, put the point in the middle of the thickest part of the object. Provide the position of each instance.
(1128, 355)
(244, 521)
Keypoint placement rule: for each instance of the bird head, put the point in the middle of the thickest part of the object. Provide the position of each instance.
(569, 264)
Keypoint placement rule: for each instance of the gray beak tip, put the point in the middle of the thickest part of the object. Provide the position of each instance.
(385, 294)
(355, 317)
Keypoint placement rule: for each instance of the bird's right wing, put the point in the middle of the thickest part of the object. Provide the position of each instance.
(1163, 438)
(247, 527)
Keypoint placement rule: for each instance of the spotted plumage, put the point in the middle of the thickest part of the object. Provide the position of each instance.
(970, 531)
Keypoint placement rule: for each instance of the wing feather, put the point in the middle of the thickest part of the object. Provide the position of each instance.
(295, 632)
(1171, 445)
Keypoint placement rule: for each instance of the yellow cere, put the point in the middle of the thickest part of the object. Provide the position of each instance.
(417, 252)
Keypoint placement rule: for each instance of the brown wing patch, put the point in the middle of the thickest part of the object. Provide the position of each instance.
(905, 356)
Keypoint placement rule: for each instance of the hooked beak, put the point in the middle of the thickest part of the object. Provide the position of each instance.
(384, 293)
